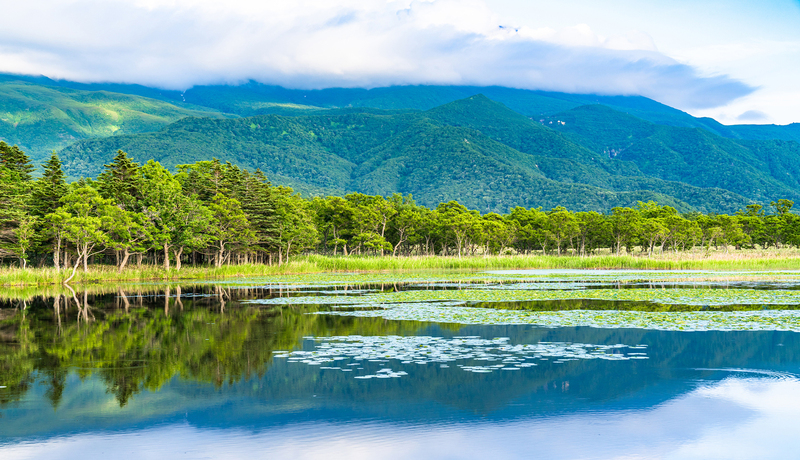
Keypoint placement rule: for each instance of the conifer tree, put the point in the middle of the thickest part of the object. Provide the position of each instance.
(121, 181)
(258, 204)
(16, 161)
(17, 225)
(50, 188)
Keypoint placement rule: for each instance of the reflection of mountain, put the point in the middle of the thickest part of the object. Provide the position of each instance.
(195, 359)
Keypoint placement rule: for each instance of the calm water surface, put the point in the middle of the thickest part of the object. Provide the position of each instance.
(200, 372)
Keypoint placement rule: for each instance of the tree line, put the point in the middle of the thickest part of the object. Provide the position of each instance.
(215, 213)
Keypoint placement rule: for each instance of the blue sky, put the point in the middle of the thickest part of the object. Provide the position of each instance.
(737, 61)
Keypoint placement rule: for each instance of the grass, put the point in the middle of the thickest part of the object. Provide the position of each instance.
(739, 260)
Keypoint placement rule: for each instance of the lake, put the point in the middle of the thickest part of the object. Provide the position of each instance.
(516, 364)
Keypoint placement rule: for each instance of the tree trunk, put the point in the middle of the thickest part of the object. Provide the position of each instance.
(220, 255)
(397, 246)
(57, 254)
(166, 256)
(178, 254)
(74, 269)
(125, 256)
(85, 260)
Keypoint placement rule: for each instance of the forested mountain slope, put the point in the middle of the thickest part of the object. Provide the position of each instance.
(535, 148)
(254, 98)
(63, 111)
(760, 170)
(44, 118)
(474, 150)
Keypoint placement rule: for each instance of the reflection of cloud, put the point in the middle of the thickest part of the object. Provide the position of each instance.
(753, 115)
(356, 43)
(736, 418)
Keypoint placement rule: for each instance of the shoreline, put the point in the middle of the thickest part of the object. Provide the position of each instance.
(730, 261)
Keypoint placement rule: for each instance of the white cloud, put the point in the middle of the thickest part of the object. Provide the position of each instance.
(352, 43)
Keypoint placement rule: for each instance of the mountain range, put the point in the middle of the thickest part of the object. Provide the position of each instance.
(490, 148)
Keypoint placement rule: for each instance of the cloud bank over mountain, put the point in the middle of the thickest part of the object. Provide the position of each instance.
(353, 43)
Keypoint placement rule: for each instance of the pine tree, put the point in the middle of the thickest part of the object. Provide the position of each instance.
(50, 188)
(16, 161)
(233, 181)
(121, 181)
(258, 204)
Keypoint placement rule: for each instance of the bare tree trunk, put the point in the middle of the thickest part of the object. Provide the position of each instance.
(166, 256)
(220, 256)
(57, 254)
(125, 256)
(74, 270)
(178, 256)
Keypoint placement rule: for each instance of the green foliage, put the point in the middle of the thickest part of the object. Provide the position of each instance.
(15, 160)
(42, 118)
(228, 226)
(121, 181)
(759, 170)
(49, 188)
(218, 213)
(476, 150)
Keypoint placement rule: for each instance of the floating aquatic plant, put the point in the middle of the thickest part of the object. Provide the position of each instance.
(763, 320)
(471, 353)
(679, 296)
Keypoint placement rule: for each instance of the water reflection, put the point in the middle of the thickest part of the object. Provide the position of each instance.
(734, 418)
(193, 372)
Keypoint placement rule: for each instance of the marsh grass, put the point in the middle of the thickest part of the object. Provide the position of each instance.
(731, 261)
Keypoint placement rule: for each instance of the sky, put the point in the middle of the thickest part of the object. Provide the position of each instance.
(736, 61)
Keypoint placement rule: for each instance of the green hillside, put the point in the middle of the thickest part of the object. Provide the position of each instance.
(474, 150)
(44, 118)
(254, 99)
(258, 99)
(761, 170)
(502, 148)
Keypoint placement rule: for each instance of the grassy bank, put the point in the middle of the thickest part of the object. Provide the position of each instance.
(739, 260)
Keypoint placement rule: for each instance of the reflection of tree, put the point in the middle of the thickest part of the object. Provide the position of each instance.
(136, 341)
(140, 345)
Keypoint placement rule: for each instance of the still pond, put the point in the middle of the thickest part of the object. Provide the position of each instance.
(517, 364)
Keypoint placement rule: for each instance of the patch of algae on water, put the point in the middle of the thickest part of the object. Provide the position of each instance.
(766, 320)
(437, 304)
(679, 296)
(469, 353)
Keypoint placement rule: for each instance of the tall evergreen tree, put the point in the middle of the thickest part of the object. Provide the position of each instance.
(17, 225)
(258, 204)
(121, 181)
(50, 188)
(13, 158)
